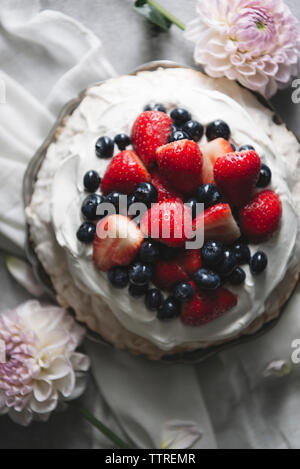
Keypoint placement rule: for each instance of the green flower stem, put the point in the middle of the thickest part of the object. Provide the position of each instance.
(103, 429)
(168, 15)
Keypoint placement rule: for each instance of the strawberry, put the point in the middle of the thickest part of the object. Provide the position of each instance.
(168, 273)
(165, 192)
(218, 223)
(150, 131)
(236, 175)
(190, 260)
(260, 218)
(207, 306)
(211, 152)
(117, 242)
(124, 174)
(169, 222)
(181, 163)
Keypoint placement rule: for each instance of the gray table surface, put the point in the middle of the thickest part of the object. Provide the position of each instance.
(129, 41)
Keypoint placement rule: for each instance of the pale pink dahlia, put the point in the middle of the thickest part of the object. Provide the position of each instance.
(39, 365)
(255, 42)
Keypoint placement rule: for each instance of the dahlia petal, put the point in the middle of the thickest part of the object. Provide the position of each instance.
(42, 390)
(66, 385)
(59, 368)
(80, 362)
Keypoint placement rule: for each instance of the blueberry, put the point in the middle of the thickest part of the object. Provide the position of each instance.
(228, 264)
(174, 129)
(217, 129)
(170, 309)
(178, 135)
(86, 233)
(146, 193)
(193, 205)
(118, 277)
(154, 299)
(258, 262)
(246, 148)
(131, 200)
(168, 253)
(149, 251)
(105, 147)
(183, 292)
(90, 205)
(212, 253)
(238, 276)
(137, 291)
(114, 199)
(122, 141)
(91, 181)
(194, 130)
(242, 253)
(208, 195)
(140, 274)
(180, 116)
(155, 107)
(265, 176)
(207, 279)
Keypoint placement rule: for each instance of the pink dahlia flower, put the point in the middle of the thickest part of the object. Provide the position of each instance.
(39, 365)
(255, 42)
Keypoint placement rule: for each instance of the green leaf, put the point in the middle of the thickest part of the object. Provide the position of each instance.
(152, 15)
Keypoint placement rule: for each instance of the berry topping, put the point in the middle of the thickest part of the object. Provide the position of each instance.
(169, 222)
(181, 163)
(122, 141)
(86, 233)
(218, 224)
(258, 262)
(246, 148)
(217, 129)
(265, 176)
(168, 273)
(170, 309)
(117, 242)
(260, 218)
(155, 107)
(193, 205)
(183, 292)
(208, 195)
(236, 175)
(165, 191)
(146, 193)
(212, 253)
(169, 254)
(154, 299)
(207, 306)
(228, 264)
(207, 279)
(180, 116)
(242, 253)
(150, 131)
(194, 130)
(238, 276)
(140, 273)
(90, 205)
(137, 291)
(105, 147)
(189, 260)
(178, 135)
(211, 152)
(118, 277)
(124, 174)
(91, 181)
(149, 251)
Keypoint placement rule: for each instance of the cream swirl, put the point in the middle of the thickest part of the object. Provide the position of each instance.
(112, 108)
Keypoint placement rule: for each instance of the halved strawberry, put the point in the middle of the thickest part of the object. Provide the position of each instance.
(180, 163)
(236, 175)
(168, 273)
(190, 260)
(218, 224)
(211, 152)
(207, 306)
(165, 191)
(117, 242)
(169, 222)
(261, 217)
(150, 131)
(124, 174)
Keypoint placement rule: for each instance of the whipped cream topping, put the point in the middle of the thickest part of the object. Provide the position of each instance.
(112, 108)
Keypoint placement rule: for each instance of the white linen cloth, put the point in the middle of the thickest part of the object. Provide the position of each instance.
(46, 59)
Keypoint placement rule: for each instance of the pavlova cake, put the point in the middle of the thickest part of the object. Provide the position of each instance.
(166, 212)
